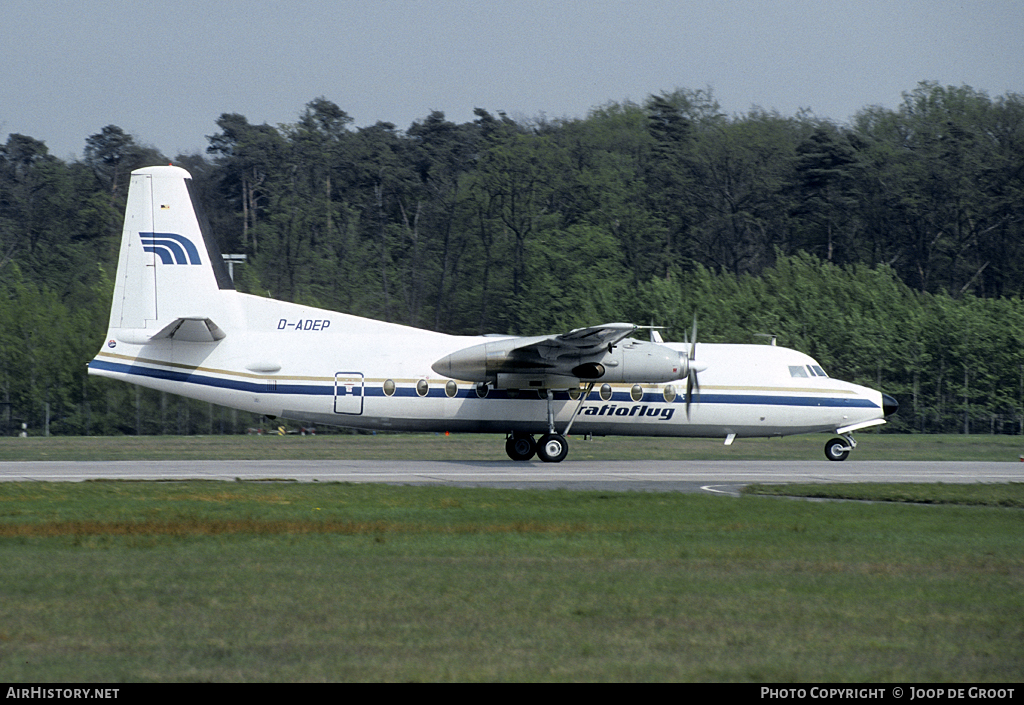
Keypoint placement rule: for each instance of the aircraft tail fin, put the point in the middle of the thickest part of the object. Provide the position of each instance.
(170, 273)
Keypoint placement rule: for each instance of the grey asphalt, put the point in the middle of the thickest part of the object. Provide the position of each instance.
(715, 476)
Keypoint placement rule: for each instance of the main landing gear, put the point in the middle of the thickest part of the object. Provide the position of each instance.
(552, 446)
(520, 446)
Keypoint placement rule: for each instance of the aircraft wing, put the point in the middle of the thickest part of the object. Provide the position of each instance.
(594, 336)
(563, 360)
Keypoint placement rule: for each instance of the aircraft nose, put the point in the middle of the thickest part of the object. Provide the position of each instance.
(889, 405)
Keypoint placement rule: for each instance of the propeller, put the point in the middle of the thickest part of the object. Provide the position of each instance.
(692, 368)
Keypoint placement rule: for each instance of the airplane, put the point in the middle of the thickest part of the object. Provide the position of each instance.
(178, 325)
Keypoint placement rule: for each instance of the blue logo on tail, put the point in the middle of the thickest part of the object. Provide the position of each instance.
(171, 248)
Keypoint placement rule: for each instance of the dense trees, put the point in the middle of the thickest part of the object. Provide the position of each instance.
(889, 248)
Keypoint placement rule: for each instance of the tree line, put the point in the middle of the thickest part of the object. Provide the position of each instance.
(889, 247)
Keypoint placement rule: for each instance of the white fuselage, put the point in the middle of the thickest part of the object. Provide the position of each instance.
(308, 364)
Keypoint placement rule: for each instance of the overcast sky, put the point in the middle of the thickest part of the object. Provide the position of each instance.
(164, 71)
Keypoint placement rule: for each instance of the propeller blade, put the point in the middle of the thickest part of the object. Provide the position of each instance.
(689, 393)
(691, 374)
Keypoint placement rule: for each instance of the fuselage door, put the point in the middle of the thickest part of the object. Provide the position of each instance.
(348, 393)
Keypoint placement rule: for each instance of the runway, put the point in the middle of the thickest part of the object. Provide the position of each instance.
(714, 476)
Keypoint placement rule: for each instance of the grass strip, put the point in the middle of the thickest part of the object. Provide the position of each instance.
(873, 446)
(976, 494)
(308, 582)
(256, 527)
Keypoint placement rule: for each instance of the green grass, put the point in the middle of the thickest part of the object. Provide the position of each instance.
(214, 581)
(979, 494)
(872, 446)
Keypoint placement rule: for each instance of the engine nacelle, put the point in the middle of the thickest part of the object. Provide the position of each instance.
(640, 362)
(482, 363)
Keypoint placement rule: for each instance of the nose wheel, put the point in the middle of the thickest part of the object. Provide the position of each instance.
(839, 448)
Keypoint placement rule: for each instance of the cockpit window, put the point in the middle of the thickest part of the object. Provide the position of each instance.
(818, 371)
(798, 371)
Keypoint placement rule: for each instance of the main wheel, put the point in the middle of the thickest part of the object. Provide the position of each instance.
(552, 448)
(520, 446)
(837, 449)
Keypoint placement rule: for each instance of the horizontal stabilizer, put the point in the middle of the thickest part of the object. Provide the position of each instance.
(182, 330)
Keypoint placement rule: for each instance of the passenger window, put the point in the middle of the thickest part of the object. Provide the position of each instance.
(798, 371)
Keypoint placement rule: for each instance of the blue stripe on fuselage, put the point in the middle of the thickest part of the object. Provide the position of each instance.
(261, 386)
(218, 382)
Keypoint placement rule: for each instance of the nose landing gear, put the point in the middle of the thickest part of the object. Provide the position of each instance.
(839, 448)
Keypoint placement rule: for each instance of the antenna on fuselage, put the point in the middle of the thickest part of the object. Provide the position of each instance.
(774, 338)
